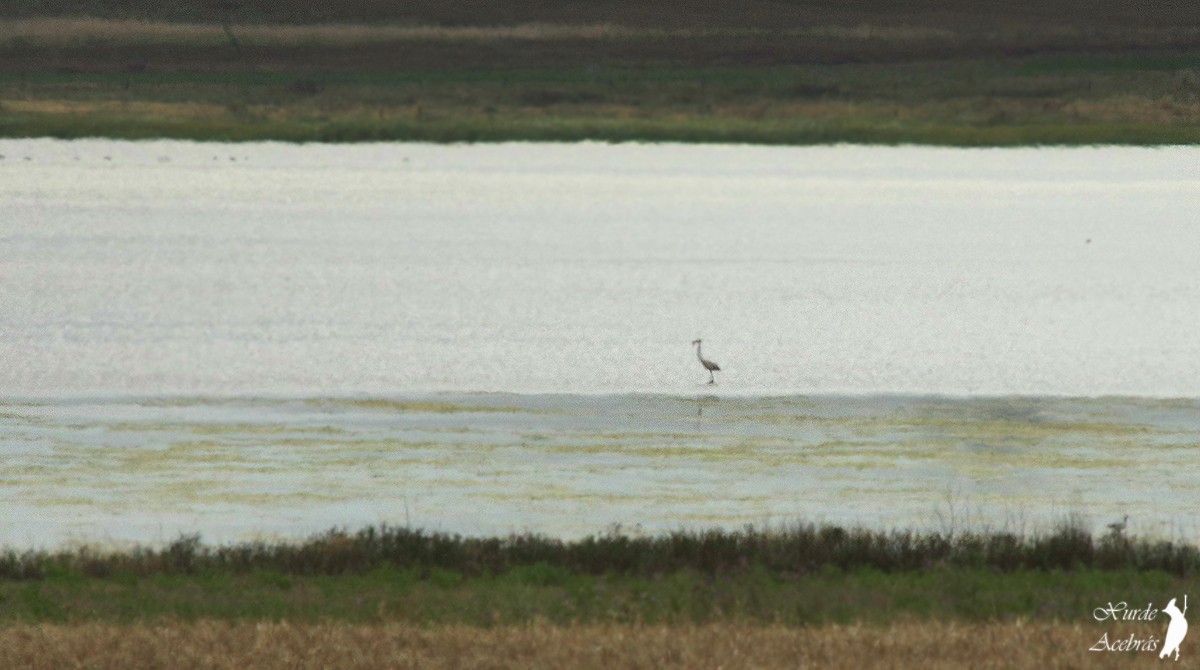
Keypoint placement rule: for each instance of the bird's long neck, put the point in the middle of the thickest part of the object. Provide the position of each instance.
(698, 352)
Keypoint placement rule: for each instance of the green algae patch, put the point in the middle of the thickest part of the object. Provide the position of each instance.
(205, 428)
(420, 407)
(540, 461)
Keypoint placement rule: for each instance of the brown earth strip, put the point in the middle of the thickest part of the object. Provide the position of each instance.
(333, 646)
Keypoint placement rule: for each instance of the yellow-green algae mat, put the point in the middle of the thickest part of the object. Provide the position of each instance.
(147, 469)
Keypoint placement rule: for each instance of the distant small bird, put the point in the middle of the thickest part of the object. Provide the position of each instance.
(708, 365)
(1119, 527)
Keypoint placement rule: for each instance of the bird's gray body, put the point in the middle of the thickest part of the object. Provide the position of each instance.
(708, 365)
(1119, 527)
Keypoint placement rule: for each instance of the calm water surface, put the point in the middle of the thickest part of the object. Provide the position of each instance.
(273, 339)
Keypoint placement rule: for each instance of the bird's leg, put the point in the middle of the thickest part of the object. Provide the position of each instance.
(711, 379)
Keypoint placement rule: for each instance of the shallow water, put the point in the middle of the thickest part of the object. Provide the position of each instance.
(174, 267)
(127, 469)
(272, 339)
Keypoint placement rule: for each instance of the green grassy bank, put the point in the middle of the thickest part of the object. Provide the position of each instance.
(540, 592)
(804, 575)
(453, 130)
(133, 127)
(1050, 73)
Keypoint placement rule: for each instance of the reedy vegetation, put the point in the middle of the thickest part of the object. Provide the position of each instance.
(804, 575)
(796, 550)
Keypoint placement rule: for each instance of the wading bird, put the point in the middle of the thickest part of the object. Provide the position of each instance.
(1119, 527)
(708, 365)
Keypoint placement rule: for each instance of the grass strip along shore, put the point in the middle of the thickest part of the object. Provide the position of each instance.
(805, 575)
(390, 597)
(1049, 73)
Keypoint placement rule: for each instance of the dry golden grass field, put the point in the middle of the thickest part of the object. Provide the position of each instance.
(334, 646)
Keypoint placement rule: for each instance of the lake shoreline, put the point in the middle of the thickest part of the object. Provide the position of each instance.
(87, 124)
(926, 83)
(142, 469)
(805, 574)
